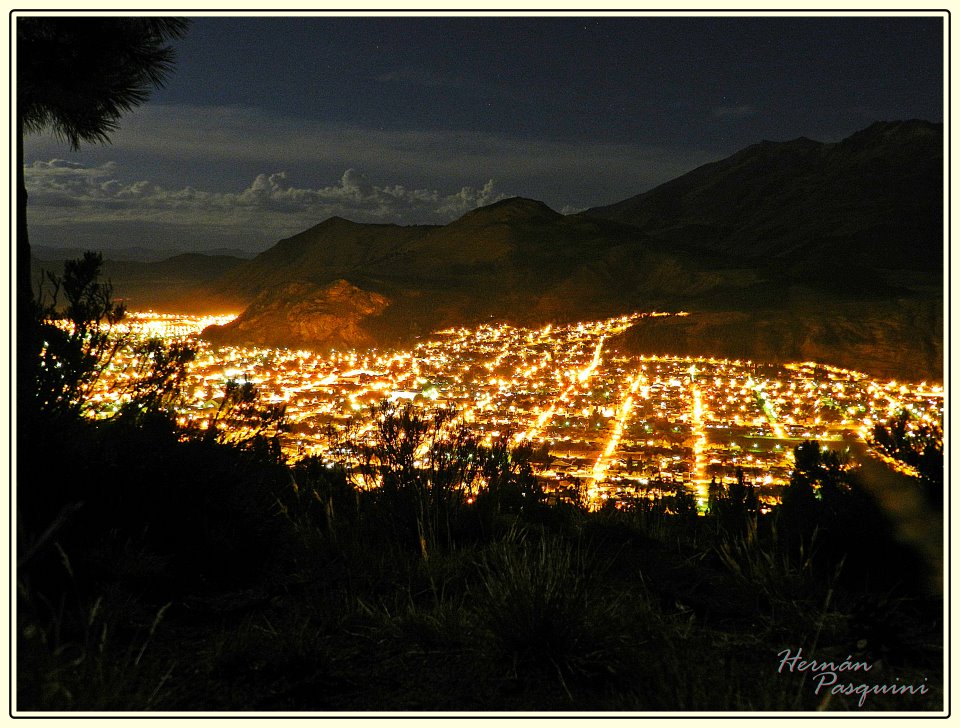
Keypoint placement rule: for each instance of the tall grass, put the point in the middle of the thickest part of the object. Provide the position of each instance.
(536, 602)
(78, 654)
(797, 601)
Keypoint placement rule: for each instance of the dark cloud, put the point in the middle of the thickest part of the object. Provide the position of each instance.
(220, 148)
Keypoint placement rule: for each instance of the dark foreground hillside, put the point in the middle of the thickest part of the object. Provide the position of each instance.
(202, 576)
(162, 568)
(183, 570)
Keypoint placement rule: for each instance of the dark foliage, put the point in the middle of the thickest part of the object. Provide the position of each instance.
(78, 76)
(827, 509)
(734, 506)
(917, 444)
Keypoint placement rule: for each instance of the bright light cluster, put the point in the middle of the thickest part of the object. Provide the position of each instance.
(616, 425)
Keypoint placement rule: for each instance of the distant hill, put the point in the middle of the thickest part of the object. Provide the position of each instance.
(178, 283)
(790, 250)
(875, 198)
(134, 253)
(517, 260)
(334, 249)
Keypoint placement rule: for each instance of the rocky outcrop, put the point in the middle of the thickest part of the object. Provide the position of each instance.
(301, 314)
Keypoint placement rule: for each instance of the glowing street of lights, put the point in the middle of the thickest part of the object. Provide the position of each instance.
(624, 426)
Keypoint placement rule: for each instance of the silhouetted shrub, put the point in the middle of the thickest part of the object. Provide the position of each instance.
(535, 602)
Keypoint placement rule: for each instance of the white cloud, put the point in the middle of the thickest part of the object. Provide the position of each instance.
(238, 175)
(67, 194)
(356, 184)
(218, 141)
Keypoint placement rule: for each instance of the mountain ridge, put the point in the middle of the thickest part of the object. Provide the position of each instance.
(783, 249)
(790, 200)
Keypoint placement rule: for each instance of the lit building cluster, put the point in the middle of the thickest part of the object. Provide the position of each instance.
(617, 427)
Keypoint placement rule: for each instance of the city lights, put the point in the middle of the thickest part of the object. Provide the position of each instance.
(616, 426)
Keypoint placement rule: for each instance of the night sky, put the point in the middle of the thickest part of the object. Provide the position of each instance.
(270, 125)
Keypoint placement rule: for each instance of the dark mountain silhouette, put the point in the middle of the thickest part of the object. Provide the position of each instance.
(846, 238)
(178, 283)
(875, 198)
(133, 253)
(500, 240)
(517, 260)
(336, 248)
(785, 251)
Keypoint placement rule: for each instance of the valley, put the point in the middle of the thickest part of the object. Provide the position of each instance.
(610, 426)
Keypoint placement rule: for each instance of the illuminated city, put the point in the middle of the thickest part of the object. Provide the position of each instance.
(501, 363)
(618, 426)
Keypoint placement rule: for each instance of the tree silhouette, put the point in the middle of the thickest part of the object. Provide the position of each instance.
(77, 77)
(919, 445)
(73, 358)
